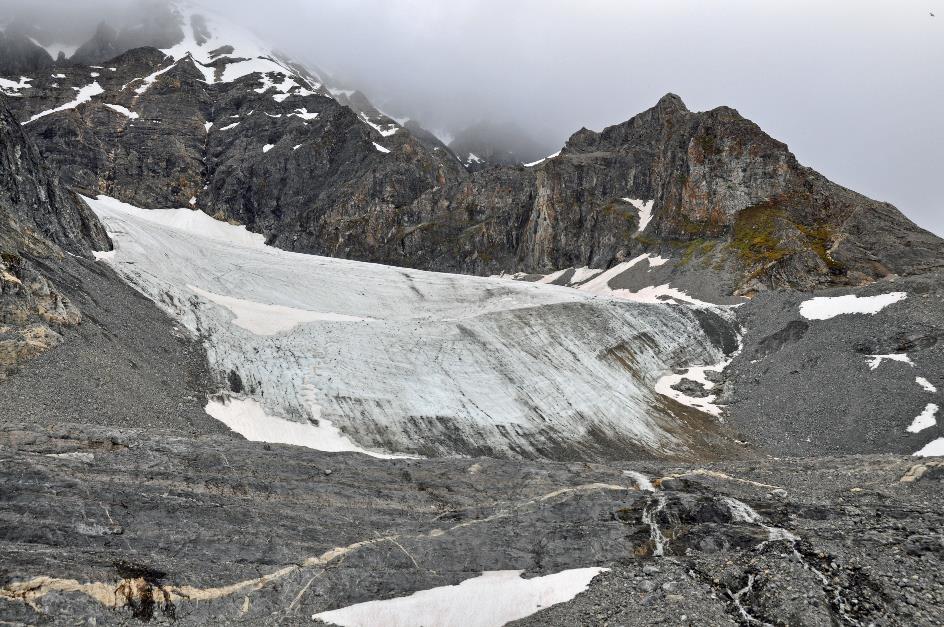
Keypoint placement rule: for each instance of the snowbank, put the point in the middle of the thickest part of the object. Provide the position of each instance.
(826, 307)
(492, 599)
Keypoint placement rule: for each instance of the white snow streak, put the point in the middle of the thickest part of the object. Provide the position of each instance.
(645, 211)
(11, 88)
(492, 599)
(926, 385)
(380, 148)
(85, 94)
(540, 161)
(131, 115)
(876, 360)
(268, 147)
(826, 307)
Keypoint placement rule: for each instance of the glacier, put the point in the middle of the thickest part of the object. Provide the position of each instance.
(419, 363)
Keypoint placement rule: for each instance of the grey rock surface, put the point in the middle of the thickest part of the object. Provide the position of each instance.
(211, 529)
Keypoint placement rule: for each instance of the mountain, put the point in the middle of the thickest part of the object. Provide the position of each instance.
(253, 372)
(259, 140)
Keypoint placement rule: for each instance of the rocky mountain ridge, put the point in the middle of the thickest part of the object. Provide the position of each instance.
(253, 138)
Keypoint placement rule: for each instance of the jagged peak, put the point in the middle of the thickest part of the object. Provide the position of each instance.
(671, 103)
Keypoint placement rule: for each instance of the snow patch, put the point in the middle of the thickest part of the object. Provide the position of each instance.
(11, 88)
(229, 126)
(876, 360)
(207, 126)
(265, 319)
(926, 385)
(85, 94)
(150, 79)
(826, 307)
(645, 211)
(492, 599)
(934, 448)
(924, 420)
(268, 147)
(303, 114)
(380, 148)
(697, 374)
(247, 417)
(131, 115)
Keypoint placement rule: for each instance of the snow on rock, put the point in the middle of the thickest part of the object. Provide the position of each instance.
(924, 420)
(303, 114)
(492, 599)
(926, 385)
(150, 79)
(380, 148)
(387, 130)
(408, 361)
(13, 88)
(229, 126)
(645, 211)
(697, 374)
(826, 307)
(265, 319)
(268, 147)
(84, 95)
(934, 448)
(876, 360)
(540, 161)
(123, 111)
(207, 126)
(248, 418)
(600, 284)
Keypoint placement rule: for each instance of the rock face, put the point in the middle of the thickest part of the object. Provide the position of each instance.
(254, 138)
(135, 525)
(39, 219)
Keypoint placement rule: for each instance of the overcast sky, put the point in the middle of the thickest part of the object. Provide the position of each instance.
(854, 87)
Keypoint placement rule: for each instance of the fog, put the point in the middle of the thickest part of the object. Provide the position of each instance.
(855, 87)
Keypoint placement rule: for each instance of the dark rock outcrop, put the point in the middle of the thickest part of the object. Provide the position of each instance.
(38, 219)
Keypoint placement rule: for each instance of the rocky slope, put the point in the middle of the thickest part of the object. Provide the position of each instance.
(142, 525)
(40, 222)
